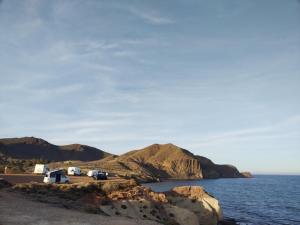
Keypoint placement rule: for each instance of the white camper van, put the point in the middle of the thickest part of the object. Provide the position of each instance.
(41, 169)
(56, 176)
(92, 173)
(74, 171)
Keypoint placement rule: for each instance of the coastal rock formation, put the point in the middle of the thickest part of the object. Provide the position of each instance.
(167, 161)
(163, 161)
(211, 170)
(187, 205)
(247, 174)
(36, 148)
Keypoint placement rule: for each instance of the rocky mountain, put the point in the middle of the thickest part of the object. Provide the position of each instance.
(167, 161)
(36, 148)
(155, 162)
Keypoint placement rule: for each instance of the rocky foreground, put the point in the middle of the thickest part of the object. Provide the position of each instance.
(182, 205)
(187, 205)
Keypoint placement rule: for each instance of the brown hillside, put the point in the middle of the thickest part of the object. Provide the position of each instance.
(36, 148)
(167, 161)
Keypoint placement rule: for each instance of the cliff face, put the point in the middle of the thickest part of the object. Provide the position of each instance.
(168, 161)
(211, 170)
(182, 205)
(36, 148)
(163, 161)
(186, 205)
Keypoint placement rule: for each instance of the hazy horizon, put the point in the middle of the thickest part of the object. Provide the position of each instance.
(219, 78)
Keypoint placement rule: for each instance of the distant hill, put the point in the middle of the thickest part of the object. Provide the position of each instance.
(155, 162)
(168, 161)
(36, 148)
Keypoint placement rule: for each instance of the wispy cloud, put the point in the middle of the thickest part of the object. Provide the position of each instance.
(152, 17)
(281, 129)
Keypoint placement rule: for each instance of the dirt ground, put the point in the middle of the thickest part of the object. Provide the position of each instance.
(15, 209)
(25, 178)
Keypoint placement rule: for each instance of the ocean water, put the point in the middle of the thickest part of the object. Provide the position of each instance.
(263, 200)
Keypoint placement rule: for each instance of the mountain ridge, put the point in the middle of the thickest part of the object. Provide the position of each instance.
(36, 148)
(168, 161)
(154, 162)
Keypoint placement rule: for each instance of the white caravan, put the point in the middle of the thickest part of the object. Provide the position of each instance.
(56, 176)
(74, 171)
(40, 169)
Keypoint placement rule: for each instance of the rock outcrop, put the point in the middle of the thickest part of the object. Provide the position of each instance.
(211, 170)
(167, 161)
(247, 174)
(187, 205)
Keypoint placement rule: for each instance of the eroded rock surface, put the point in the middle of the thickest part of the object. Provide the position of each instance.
(187, 205)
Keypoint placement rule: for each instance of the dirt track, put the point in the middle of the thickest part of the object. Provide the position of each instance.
(25, 178)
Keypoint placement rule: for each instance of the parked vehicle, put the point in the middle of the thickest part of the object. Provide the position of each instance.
(40, 169)
(74, 171)
(100, 176)
(92, 173)
(56, 176)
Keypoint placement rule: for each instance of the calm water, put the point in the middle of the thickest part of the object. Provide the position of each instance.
(263, 200)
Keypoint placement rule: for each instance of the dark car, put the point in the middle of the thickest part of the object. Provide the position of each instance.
(100, 176)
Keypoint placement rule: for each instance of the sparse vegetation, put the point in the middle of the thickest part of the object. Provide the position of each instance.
(109, 187)
(72, 191)
(14, 166)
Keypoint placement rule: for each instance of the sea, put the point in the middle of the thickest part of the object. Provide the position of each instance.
(262, 200)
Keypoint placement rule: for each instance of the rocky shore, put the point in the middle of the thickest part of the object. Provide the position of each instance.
(182, 205)
(186, 205)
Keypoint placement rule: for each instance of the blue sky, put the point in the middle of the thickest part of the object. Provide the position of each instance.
(220, 78)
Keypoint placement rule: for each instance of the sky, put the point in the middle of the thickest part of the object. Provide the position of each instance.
(220, 78)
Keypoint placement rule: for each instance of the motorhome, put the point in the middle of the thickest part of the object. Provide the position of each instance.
(56, 176)
(40, 169)
(74, 171)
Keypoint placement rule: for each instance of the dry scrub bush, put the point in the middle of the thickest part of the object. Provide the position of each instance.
(109, 187)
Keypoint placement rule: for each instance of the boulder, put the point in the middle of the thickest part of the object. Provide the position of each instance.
(198, 201)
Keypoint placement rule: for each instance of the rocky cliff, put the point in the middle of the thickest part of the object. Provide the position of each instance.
(167, 161)
(187, 205)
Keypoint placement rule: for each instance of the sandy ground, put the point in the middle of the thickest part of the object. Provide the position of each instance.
(15, 209)
(25, 178)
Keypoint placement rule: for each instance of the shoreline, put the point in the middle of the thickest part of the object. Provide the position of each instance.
(185, 205)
